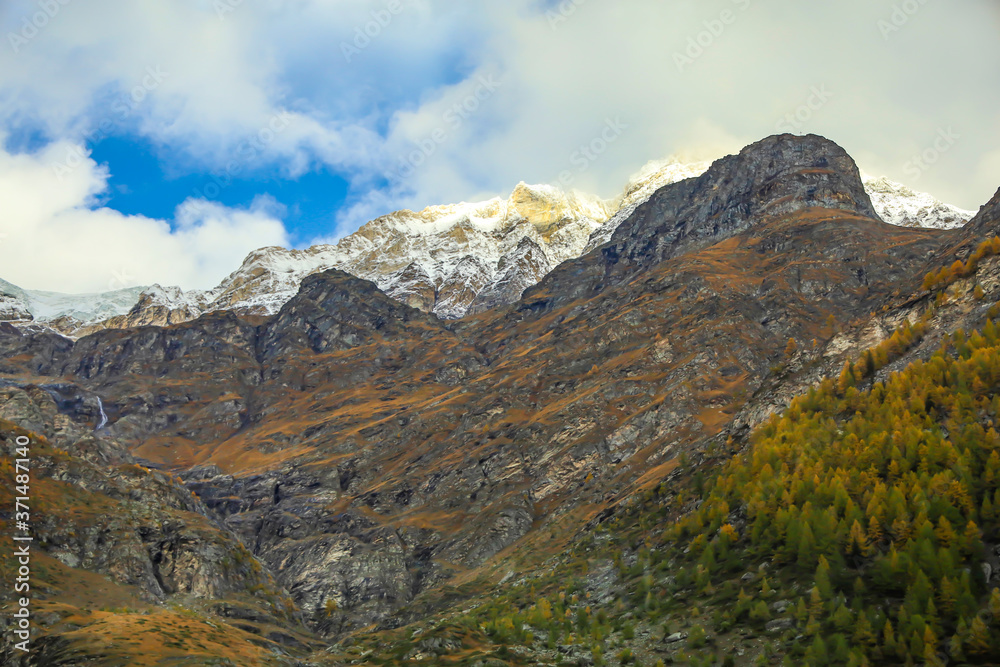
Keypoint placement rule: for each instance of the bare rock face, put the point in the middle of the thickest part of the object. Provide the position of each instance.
(470, 278)
(336, 311)
(894, 202)
(13, 309)
(413, 287)
(653, 176)
(518, 270)
(987, 220)
(777, 176)
(140, 527)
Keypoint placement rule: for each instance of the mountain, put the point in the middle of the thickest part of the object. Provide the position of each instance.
(64, 310)
(369, 483)
(13, 309)
(894, 202)
(437, 259)
(899, 205)
(653, 176)
(448, 260)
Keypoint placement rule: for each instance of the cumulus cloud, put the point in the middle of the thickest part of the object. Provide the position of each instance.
(53, 235)
(698, 80)
(419, 102)
(708, 77)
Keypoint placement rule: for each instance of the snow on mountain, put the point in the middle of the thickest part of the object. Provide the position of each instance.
(155, 306)
(518, 270)
(640, 188)
(895, 203)
(438, 259)
(901, 206)
(13, 309)
(52, 306)
(451, 260)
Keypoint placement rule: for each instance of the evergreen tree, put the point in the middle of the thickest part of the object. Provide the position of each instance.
(864, 634)
(889, 638)
(818, 654)
(978, 643)
(806, 547)
(823, 579)
(846, 379)
(857, 544)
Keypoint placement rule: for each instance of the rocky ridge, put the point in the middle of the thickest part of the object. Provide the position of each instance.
(894, 202)
(448, 260)
(66, 311)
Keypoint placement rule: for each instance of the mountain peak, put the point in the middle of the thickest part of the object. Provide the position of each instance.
(776, 176)
(441, 258)
(900, 205)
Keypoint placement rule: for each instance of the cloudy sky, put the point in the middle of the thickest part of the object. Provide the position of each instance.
(148, 141)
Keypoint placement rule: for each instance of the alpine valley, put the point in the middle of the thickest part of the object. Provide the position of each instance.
(745, 413)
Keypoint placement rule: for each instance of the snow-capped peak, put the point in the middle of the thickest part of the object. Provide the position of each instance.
(447, 259)
(640, 187)
(46, 306)
(899, 205)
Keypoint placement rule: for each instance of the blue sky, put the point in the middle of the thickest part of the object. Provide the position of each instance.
(142, 181)
(163, 141)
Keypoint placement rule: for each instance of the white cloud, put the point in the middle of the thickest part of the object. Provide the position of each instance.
(192, 81)
(393, 102)
(52, 238)
(883, 100)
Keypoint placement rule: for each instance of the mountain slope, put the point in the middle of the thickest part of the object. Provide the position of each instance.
(415, 257)
(18, 304)
(386, 466)
(899, 205)
(894, 202)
